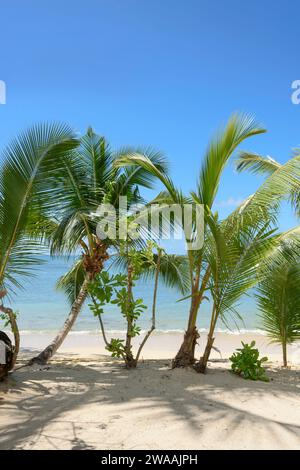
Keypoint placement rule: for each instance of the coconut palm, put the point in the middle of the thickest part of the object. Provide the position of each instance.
(238, 128)
(281, 183)
(262, 207)
(258, 164)
(24, 194)
(90, 178)
(251, 245)
(278, 298)
(172, 270)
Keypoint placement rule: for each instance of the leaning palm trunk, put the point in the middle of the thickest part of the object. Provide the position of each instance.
(15, 330)
(50, 350)
(93, 264)
(6, 367)
(25, 196)
(16, 333)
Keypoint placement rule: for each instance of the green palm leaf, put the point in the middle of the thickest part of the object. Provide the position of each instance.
(278, 298)
(71, 282)
(238, 128)
(25, 191)
(256, 163)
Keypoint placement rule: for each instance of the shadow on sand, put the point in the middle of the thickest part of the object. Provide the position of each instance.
(33, 397)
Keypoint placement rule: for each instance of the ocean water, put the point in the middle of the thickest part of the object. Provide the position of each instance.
(42, 309)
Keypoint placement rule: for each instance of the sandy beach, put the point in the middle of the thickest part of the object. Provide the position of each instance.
(160, 345)
(84, 400)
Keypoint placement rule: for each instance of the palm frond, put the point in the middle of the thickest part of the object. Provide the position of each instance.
(157, 171)
(25, 190)
(279, 186)
(256, 163)
(278, 299)
(136, 174)
(174, 270)
(238, 128)
(97, 159)
(71, 282)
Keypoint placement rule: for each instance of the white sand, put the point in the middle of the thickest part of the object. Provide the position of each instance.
(84, 401)
(161, 345)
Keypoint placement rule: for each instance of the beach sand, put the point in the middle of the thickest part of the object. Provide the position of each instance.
(84, 400)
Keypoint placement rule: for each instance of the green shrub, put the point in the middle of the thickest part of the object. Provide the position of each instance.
(246, 363)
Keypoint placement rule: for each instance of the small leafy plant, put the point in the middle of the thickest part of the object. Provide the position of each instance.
(118, 289)
(102, 291)
(246, 363)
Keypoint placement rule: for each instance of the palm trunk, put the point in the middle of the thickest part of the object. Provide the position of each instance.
(186, 354)
(50, 350)
(9, 350)
(202, 364)
(153, 325)
(16, 333)
(284, 354)
(129, 359)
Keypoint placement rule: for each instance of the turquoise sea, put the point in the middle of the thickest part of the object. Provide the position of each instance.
(42, 309)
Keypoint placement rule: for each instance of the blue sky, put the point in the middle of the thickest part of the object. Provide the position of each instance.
(160, 72)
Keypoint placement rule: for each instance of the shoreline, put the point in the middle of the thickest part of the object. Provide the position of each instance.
(161, 346)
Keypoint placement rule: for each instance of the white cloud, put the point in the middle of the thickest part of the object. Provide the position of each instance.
(230, 202)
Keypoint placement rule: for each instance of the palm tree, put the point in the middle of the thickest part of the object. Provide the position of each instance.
(23, 192)
(90, 178)
(282, 182)
(245, 258)
(258, 164)
(238, 128)
(278, 298)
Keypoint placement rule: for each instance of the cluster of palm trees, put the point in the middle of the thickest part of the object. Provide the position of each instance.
(52, 182)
